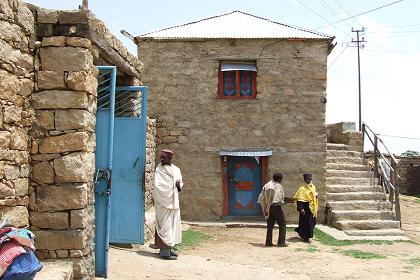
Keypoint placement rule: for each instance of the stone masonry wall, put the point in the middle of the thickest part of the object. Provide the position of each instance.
(288, 115)
(403, 164)
(150, 163)
(63, 145)
(16, 85)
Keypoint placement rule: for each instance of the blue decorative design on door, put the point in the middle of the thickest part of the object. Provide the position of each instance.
(244, 186)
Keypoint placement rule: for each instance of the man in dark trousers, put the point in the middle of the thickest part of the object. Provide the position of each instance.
(271, 200)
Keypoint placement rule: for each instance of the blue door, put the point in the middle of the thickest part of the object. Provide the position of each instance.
(127, 200)
(120, 163)
(244, 186)
(103, 175)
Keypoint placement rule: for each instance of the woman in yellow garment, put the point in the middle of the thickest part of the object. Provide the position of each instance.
(307, 204)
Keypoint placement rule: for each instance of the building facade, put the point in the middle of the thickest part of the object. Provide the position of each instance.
(238, 97)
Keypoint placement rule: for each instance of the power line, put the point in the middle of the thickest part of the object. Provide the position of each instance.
(339, 4)
(359, 14)
(329, 23)
(402, 137)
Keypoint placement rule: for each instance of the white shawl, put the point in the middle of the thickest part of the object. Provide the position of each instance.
(165, 192)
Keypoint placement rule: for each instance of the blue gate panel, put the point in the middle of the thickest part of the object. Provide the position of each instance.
(101, 202)
(127, 200)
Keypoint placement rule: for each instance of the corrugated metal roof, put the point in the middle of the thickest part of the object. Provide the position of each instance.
(235, 24)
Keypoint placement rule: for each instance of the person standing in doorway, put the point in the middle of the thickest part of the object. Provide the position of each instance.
(307, 206)
(168, 184)
(271, 200)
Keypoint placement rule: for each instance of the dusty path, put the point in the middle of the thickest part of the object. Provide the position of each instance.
(238, 253)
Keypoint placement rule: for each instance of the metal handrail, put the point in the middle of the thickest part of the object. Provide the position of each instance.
(388, 183)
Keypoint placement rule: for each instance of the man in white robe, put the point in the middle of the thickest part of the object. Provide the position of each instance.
(168, 184)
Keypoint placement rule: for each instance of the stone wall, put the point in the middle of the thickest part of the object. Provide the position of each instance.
(345, 133)
(63, 145)
(48, 82)
(288, 115)
(16, 85)
(404, 164)
(150, 163)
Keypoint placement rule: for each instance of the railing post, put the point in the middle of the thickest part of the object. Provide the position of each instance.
(375, 156)
(397, 191)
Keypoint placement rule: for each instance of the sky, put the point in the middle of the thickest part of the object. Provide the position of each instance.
(389, 60)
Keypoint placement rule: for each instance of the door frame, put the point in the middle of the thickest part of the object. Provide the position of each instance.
(225, 187)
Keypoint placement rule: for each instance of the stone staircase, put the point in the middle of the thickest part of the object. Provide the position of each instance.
(356, 205)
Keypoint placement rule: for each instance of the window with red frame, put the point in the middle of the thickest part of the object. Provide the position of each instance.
(237, 80)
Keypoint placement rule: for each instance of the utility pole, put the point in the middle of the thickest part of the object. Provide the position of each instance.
(358, 42)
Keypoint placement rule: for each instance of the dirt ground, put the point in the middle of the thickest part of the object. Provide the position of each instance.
(238, 253)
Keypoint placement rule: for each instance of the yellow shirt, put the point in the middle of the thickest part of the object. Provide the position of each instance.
(307, 193)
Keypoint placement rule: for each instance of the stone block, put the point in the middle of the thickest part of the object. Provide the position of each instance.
(12, 114)
(50, 80)
(11, 171)
(60, 239)
(83, 81)
(75, 167)
(20, 139)
(25, 170)
(6, 191)
(6, 9)
(74, 119)
(50, 198)
(56, 220)
(73, 17)
(45, 119)
(21, 186)
(47, 16)
(55, 41)
(18, 157)
(26, 87)
(44, 29)
(25, 18)
(18, 215)
(70, 142)
(56, 99)
(10, 32)
(4, 139)
(43, 173)
(79, 42)
(80, 218)
(66, 59)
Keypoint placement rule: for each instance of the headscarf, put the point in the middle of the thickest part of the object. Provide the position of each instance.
(307, 193)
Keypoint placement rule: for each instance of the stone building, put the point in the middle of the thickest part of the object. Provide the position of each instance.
(48, 105)
(238, 97)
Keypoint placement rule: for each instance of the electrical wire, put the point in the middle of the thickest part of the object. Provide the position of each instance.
(401, 137)
(363, 13)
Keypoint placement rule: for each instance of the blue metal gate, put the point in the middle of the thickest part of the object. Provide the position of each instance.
(120, 163)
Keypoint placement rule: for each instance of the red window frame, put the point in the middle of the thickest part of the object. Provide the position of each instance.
(238, 85)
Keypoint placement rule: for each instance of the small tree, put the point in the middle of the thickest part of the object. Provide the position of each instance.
(410, 153)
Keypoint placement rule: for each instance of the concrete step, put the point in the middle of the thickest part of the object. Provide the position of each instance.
(356, 196)
(352, 167)
(343, 153)
(334, 146)
(349, 173)
(346, 160)
(365, 224)
(352, 188)
(349, 181)
(55, 270)
(361, 215)
(359, 205)
(376, 232)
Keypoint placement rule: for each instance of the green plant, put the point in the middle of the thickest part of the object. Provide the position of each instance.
(414, 261)
(410, 153)
(362, 255)
(310, 249)
(327, 239)
(192, 238)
